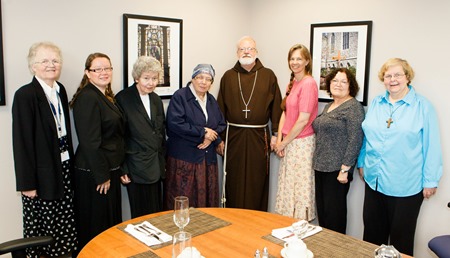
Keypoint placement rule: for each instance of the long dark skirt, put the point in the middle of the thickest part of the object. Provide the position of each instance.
(144, 198)
(199, 182)
(52, 218)
(95, 212)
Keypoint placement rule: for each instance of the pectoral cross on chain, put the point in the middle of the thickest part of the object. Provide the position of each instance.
(389, 122)
(246, 110)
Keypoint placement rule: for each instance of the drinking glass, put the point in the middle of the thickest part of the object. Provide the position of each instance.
(181, 212)
(181, 247)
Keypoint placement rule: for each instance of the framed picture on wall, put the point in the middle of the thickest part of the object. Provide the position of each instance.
(160, 38)
(341, 44)
(2, 70)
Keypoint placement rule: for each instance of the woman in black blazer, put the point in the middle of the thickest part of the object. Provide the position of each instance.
(145, 137)
(42, 147)
(100, 129)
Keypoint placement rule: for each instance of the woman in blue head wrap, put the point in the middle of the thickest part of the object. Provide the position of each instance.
(194, 122)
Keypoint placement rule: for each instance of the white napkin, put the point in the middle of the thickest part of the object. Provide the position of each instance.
(189, 252)
(286, 233)
(145, 237)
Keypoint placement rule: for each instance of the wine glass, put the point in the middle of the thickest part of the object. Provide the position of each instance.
(181, 212)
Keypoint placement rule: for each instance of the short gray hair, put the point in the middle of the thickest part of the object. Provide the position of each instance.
(38, 46)
(146, 64)
(245, 38)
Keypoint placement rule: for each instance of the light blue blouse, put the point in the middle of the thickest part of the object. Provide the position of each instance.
(406, 157)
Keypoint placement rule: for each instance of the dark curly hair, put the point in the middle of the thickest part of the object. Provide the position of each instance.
(353, 86)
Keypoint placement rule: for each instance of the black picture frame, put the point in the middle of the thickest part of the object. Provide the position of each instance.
(159, 37)
(2, 70)
(342, 44)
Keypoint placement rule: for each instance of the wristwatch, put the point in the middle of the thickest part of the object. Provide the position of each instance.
(343, 171)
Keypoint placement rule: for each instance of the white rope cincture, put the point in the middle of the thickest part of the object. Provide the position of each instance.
(223, 200)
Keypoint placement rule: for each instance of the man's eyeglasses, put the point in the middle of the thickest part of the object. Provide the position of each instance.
(395, 76)
(99, 70)
(46, 62)
(249, 49)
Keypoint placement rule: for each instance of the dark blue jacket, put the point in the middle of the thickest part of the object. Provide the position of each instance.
(186, 127)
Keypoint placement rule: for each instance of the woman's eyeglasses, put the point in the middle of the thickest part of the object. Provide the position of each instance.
(47, 62)
(343, 82)
(395, 76)
(99, 70)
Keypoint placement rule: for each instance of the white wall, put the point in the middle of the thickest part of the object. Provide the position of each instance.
(412, 29)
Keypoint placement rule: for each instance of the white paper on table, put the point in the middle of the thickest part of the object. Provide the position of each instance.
(145, 237)
(287, 232)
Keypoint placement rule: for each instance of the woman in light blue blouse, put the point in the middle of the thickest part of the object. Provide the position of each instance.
(401, 159)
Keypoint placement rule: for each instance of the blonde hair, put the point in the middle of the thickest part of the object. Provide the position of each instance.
(407, 69)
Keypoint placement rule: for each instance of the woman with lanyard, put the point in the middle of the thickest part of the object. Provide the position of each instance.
(42, 147)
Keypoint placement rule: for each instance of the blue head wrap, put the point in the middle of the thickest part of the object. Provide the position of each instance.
(203, 68)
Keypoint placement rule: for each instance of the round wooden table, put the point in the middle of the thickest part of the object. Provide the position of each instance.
(241, 238)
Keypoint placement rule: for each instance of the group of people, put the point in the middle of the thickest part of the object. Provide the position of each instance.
(128, 139)
(395, 146)
(75, 196)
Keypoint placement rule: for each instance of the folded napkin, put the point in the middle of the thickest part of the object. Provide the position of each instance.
(148, 234)
(287, 232)
(189, 252)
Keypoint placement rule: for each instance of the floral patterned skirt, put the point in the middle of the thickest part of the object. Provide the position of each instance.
(296, 191)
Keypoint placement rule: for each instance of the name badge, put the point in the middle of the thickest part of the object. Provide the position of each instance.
(64, 156)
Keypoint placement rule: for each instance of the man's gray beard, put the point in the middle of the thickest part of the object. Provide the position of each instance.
(247, 60)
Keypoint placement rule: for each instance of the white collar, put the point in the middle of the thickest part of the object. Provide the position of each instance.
(47, 89)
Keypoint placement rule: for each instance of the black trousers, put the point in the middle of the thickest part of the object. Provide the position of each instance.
(391, 220)
(331, 200)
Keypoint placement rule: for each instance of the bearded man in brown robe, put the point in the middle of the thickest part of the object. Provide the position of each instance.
(249, 98)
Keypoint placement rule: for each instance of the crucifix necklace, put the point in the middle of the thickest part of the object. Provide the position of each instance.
(246, 110)
(390, 121)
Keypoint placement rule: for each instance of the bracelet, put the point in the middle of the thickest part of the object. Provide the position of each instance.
(343, 171)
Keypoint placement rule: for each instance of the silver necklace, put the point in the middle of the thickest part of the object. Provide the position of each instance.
(246, 110)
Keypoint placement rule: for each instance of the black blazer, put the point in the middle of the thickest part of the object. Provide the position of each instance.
(145, 139)
(37, 157)
(100, 130)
